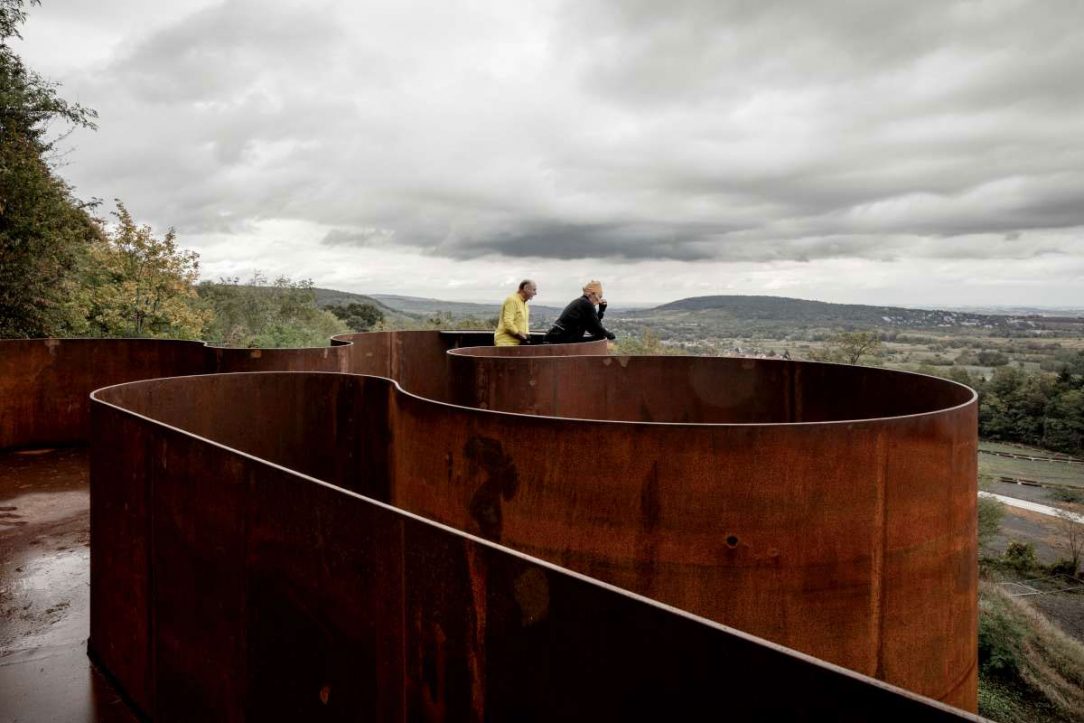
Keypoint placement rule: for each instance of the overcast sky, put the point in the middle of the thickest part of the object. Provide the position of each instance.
(921, 152)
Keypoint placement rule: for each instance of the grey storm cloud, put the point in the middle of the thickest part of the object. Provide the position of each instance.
(728, 130)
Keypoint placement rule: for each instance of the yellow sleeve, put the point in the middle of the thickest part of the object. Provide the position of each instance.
(508, 316)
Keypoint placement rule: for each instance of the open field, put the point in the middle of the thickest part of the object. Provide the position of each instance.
(906, 352)
(993, 467)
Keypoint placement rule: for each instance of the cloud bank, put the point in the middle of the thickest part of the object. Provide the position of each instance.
(698, 133)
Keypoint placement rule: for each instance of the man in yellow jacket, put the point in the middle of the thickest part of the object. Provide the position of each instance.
(514, 322)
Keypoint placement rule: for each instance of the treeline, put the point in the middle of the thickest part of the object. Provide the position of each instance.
(65, 271)
(259, 313)
(44, 230)
(1036, 408)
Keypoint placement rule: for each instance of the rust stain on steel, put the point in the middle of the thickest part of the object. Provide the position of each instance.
(827, 508)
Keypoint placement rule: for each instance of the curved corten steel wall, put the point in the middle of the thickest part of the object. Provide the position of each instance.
(827, 508)
(227, 586)
(45, 384)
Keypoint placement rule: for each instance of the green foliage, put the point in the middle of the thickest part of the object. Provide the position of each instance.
(282, 313)
(44, 230)
(1070, 537)
(1000, 636)
(991, 511)
(136, 285)
(1020, 556)
(1003, 702)
(447, 321)
(1064, 567)
(1063, 420)
(991, 359)
(939, 361)
(849, 347)
(1061, 494)
(1034, 409)
(358, 317)
(1029, 670)
(648, 344)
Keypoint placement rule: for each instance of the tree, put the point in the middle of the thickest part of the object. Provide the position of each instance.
(282, 313)
(447, 321)
(849, 347)
(647, 344)
(137, 285)
(991, 511)
(44, 230)
(1070, 537)
(1063, 420)
(991, 359)
(359, 317)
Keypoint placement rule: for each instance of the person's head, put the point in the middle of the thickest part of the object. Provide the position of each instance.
(593, 291)
(527, 289)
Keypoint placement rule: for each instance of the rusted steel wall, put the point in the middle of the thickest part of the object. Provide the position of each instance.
(270, 595)
(312, 359)
(333, 427)
(876, 492)
(691, 389)
(45, 384)
(823, 537)
(742, 524)
(419, 359)
(853, 540)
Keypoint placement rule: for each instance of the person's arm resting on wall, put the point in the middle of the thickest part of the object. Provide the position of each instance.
(592, 324)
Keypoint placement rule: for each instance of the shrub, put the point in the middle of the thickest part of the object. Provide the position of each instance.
(1020, 556)
(1029, 669)
(990, 513)
(992, 359)
(1000, 637)
(1064, 495)
(1063, 567)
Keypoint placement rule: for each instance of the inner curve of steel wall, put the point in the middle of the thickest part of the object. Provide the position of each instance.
(852, 540)
(829, 508)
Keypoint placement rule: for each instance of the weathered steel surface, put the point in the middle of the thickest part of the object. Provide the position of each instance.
(697, 390)
(271, 595)
(826, 536)
(45, 384)
(830, 509)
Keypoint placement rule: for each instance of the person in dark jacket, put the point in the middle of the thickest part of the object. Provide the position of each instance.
(580, 321)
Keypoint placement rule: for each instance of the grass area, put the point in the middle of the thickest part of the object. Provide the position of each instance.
(1029, 669)
(1015, 449)
(992, 467)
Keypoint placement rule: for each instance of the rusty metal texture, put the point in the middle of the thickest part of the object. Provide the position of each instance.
(45, 384)
(828, 509)
(268, 594)
(816, 505)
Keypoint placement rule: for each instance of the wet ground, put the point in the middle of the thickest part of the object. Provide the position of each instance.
(45, 674)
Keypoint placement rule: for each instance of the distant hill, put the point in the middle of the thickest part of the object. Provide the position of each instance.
(1044, 311)
(427, 307)
(780, 308)
(780, 312)
(725, 315)
(333, 297)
